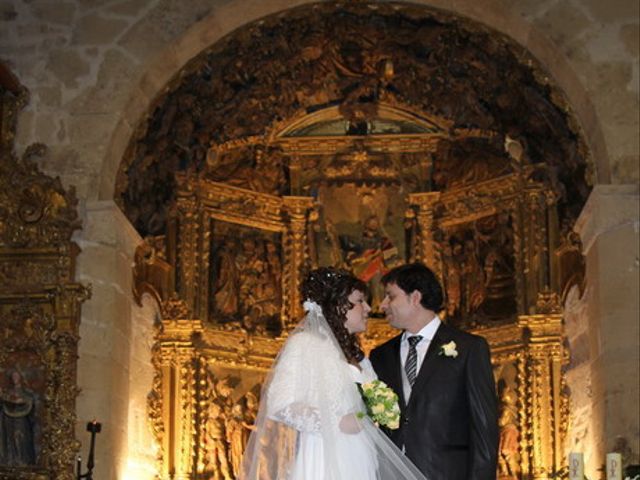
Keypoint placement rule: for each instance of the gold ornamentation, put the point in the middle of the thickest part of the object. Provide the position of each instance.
(152, 273)
(36, 210)
(570, 264)
(332, 66)
(39, 305)
(175, 308)
(548, 302)
(494, 203)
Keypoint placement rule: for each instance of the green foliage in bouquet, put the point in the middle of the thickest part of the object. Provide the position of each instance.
(381, 403)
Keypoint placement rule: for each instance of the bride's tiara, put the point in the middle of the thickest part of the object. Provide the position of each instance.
(328, 273)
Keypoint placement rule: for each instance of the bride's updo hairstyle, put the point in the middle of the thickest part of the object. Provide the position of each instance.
(330, 288)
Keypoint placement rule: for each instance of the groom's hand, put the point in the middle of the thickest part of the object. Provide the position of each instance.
(350, 424)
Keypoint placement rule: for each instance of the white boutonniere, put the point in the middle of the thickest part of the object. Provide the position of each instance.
(449, 349)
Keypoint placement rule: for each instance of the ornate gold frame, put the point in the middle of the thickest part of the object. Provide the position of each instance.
(39, 299)
(40, 307)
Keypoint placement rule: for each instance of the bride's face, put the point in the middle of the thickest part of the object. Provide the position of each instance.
(358, 314)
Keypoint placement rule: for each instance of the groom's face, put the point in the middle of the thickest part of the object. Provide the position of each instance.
(398, 306)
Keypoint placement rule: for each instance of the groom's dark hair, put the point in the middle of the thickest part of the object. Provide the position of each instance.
(416, 276)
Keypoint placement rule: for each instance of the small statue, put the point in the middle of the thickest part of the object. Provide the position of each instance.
(218, 449)
(251, 404)
(234, 426)
(226, 281)
(17, 418)
(218, 453)
(509, 457)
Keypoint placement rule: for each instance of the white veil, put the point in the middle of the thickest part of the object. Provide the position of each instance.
(307, 417)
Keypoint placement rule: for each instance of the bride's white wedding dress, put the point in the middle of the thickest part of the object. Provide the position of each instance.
(308, 426)
(353, 454)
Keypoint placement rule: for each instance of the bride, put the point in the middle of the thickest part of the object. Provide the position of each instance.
(308, 425)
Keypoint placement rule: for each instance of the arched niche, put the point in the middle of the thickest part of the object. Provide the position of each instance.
(235, 171)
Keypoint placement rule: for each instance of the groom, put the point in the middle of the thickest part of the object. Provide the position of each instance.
(444, 380)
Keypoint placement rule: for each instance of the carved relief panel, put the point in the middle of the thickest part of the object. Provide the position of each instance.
(245, 271)
(478, 270)
(490, 245)
(239, 255)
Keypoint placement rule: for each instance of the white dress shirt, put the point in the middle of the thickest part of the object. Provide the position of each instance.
(427, 332)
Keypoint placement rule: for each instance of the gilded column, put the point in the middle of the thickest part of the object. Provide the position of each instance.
(524, 414)
(520, 260)
(178, 392)
(296, 209)
(187, 246)
(424, 203)
(536, 246)
(545, 407)
(177, 363)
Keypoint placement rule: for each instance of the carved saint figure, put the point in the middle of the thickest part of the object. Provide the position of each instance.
(474, 293)
(509, 458)
(217, 450)
(267, 293)
(246, 279)
(260, 279)
(251, 268)
(219, 455)
(453, 258)
(235, 435)
(250, 414)
(17, 446)
(226, 283)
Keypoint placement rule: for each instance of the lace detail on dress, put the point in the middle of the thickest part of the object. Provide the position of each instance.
(300, 417)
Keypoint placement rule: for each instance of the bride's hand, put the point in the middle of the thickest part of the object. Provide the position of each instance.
(350, 424)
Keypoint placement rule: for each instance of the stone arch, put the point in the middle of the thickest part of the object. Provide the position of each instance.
(227, 18)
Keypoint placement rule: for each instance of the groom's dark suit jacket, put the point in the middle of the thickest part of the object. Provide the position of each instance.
(449, 428)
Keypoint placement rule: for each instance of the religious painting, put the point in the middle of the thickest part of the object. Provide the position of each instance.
(478, 270)
(245, 277)
(22, 385)
(361, 228)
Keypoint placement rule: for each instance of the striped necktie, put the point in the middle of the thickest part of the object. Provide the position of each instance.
(411, 365)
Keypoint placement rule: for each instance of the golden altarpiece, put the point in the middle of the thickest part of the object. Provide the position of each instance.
(360, 195)
(39, 309)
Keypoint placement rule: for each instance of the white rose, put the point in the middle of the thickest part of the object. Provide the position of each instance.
(449, 349)
(377, 409)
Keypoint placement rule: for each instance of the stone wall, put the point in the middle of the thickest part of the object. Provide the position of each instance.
(94, 67)
(605, 346)
(108, 348)
(140, 462)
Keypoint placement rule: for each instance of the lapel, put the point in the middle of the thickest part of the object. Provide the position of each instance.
(432, 359)
(396, 370)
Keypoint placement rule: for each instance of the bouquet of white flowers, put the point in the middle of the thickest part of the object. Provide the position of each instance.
(381, 403)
